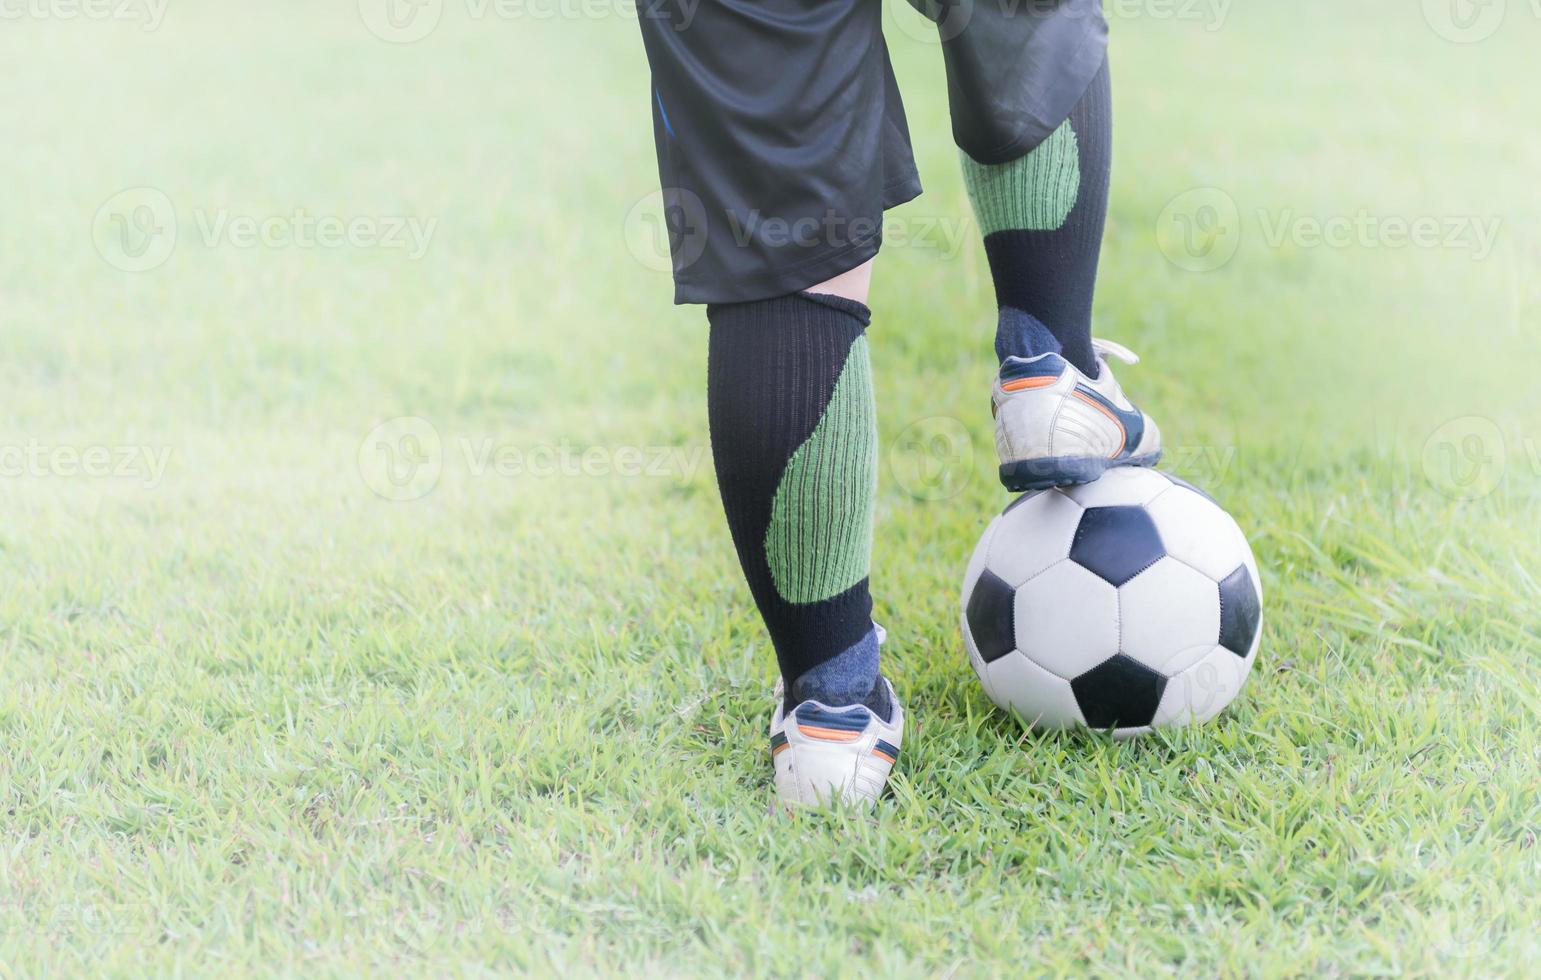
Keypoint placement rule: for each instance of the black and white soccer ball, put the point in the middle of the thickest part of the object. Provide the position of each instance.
(1125, 604)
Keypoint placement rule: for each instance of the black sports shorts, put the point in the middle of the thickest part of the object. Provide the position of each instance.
(781, 136)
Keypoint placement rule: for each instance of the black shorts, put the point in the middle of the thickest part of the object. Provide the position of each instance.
(781, 136)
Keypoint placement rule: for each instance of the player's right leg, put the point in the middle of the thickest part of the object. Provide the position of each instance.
(1032, 114)
(781, 141)
(1060, 415)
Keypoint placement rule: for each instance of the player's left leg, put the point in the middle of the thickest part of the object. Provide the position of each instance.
(794, 441)
(781, 139)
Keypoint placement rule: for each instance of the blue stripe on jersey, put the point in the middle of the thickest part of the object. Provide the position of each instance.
(663, 114)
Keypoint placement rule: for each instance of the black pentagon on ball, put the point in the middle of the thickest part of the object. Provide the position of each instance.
(991, 616)
(1116, 543)
(1119, 693)
(1179, 481)
(1022, 499)
(1240, 610)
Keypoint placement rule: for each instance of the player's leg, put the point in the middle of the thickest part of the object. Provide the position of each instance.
(794, 440)
(778, 242)
(1032, 114)
(1060, 415)
(852, 285)
(1042, 217)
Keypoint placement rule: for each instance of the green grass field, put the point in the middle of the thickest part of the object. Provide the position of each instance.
(257, 717)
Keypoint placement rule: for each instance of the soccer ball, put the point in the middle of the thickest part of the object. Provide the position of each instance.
(1125, 604)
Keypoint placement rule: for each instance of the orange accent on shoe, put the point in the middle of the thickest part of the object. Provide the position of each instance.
(1124, 433)
(1022, 384)
(828, 734)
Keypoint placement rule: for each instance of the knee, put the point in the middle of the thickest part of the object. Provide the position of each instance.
(994, 134)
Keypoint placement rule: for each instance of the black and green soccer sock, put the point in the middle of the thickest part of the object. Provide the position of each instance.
(1042, 216)
(794, 441)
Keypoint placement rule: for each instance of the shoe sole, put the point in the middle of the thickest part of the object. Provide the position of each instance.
(1064, 471)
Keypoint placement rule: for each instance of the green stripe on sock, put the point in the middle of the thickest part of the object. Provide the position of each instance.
(819, 542)
(1033, 193)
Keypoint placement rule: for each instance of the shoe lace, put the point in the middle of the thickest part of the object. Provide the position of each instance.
(1106, 348)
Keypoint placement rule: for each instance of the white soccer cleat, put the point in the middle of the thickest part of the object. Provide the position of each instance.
(1056, 427)
(822, 754)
